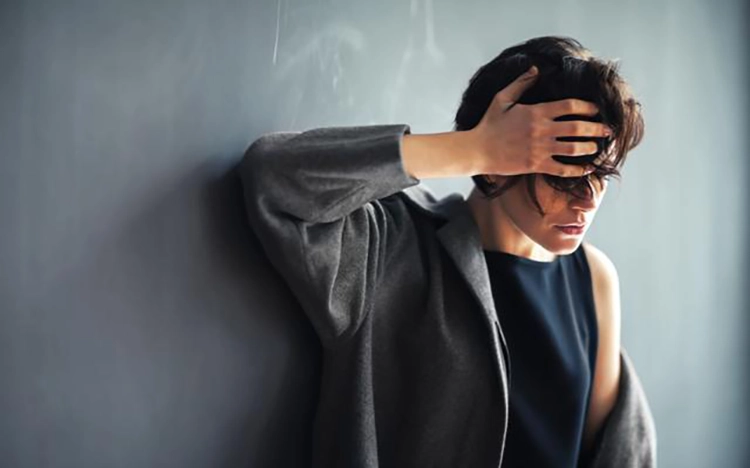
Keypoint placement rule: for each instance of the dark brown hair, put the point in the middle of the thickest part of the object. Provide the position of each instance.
(566, 70)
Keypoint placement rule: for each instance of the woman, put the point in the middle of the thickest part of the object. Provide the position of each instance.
(475, 332)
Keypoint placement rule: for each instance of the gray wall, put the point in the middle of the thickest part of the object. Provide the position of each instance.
(141, 324)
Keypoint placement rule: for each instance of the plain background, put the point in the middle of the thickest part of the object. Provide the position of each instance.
(140, 325)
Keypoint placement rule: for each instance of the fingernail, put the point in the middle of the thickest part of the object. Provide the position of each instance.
(532, 71)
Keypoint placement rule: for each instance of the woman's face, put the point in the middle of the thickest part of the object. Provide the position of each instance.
(560, 208)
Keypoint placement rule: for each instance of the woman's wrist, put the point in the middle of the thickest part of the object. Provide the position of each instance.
(446, 154)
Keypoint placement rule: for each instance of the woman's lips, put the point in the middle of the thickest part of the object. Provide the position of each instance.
(573, 230)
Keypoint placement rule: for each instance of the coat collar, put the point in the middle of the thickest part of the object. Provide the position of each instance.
(461, 238)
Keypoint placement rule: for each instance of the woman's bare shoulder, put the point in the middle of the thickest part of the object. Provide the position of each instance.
(600, 265)
(606, 287)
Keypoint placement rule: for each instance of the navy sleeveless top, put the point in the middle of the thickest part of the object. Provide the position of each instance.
(546, 311)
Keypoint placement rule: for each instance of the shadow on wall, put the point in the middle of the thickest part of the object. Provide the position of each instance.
(281, 429)
(187, 341)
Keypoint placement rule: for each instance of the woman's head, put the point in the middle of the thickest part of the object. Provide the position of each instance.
(537, 202)
(517, 205)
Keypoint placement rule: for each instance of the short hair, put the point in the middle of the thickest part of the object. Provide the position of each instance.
(566, 70)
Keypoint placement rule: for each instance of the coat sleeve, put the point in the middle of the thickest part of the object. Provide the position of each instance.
(313, 199)
(628, 437)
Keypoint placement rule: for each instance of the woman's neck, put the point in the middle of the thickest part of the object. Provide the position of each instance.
(498, 232)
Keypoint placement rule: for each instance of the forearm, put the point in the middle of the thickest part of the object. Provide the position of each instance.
(447, 154)
(323, 174)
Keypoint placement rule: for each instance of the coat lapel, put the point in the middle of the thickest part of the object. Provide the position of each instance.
(461, 239)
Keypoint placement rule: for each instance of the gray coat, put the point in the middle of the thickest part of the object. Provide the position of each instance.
(394, 281)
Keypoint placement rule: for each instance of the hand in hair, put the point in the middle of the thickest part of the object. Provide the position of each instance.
(514, 138)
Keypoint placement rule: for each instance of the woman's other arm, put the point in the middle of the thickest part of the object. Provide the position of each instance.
(606, 285)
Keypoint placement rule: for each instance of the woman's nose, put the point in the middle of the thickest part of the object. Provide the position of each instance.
(586, 201)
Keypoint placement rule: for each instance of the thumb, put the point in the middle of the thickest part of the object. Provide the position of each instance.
(515, 89)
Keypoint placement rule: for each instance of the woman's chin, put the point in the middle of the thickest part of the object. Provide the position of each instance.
(564, 245)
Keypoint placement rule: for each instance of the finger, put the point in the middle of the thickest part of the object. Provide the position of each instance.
(584, 170)
(574, 148)
(578, 128)
(602, 158)
(512, 92)
(554, 109)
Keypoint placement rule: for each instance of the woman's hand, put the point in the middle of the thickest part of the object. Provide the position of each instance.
(516, 139)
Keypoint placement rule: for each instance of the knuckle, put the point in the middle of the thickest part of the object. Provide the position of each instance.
(568, 149)
(534, 130)
(532, 163)
(540, 148)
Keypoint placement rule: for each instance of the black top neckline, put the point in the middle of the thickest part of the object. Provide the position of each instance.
(545, 309)
(499, 255)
